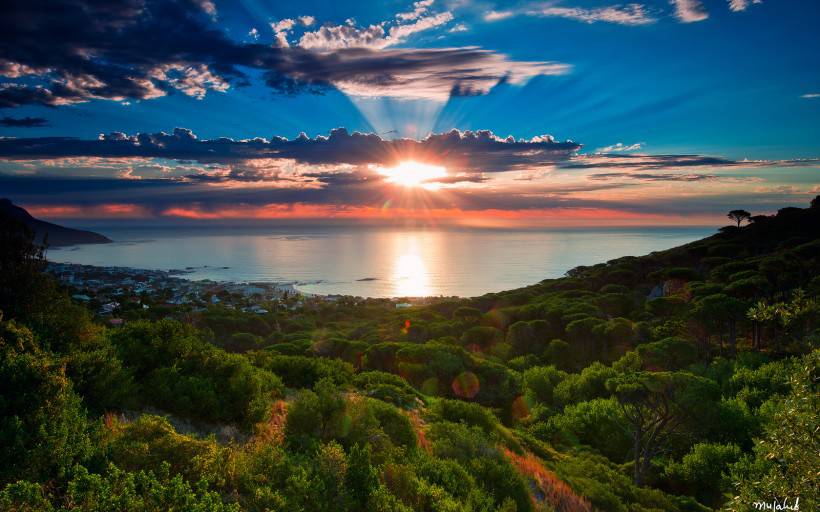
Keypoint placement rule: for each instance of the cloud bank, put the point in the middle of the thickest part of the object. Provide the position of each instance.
(24, 122)
(341, 176)
(479, 151)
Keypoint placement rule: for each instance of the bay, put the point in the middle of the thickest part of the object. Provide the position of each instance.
(374, 262)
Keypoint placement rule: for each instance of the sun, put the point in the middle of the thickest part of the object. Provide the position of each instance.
(414, 174)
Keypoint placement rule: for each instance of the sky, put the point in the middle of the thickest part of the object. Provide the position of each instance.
(435, 112)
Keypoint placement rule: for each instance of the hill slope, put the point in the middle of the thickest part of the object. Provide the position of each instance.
(54, 234)
(660, 382)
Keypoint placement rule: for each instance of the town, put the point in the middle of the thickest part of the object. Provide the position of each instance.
(117, 293)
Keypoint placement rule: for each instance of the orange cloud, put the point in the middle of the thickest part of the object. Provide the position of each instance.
(115, 210)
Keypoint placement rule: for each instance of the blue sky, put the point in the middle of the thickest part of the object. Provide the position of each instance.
(731, 84)
(735, 79)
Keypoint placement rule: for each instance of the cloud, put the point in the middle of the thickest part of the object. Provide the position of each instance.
(419, 9)
(195, 80)
(498, 15)
(179, 175)
(632, 14)
(334, 37)
(644, 162)
(363, 194)
(652, 177)
(24, 122)
(742, 5)
(811, 95)
(479, 151)
(207, 6)
(280, 30)
(619, 148)
(431, 73)
(689, 11)
(61, 52)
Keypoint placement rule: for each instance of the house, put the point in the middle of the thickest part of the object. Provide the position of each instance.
(255, 309)
(248, 290)
(109, 307)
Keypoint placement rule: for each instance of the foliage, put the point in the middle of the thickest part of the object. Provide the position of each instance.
(784, 464)
(43, 430)
(674, 381)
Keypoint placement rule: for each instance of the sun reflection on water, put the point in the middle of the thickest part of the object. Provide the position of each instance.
(410, 276)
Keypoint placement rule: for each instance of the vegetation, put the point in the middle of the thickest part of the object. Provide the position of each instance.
(682, 380)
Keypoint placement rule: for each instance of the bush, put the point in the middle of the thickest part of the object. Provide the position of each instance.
(43, 428)
(540, 382)
(387, 387)
(668, 354)
(597, 423)
(468, 413)
(703, 472)
(303, 371)
(587, 385)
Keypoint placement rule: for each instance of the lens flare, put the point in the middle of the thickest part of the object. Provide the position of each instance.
(466, 385)
(521, 407)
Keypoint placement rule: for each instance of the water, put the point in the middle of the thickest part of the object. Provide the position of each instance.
(375, 262)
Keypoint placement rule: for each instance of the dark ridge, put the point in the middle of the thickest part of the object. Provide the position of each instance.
(54, 235)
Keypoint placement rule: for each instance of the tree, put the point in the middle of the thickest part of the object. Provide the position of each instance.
(598, 423)
(657, 405)
(739, 216)
(23, 287)
(720, 311)
(43, 428)
(527, 337)
(702, 471)
(668, 354)
(362, 478)
(784, 465)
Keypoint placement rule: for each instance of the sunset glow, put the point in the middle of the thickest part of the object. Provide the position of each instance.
(426, 112)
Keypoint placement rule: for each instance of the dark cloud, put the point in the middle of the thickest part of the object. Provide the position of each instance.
(24, 122)
(636, 161)
(468, 151)
(341, 190)
(74, 51)
(643, 163)
(640, 176)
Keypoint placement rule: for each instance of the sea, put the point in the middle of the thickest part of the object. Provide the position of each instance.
(373, 262)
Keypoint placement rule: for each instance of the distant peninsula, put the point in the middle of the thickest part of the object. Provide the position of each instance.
(53, 234)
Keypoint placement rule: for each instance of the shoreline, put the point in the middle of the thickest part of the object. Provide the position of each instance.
(175, 274)
(98, 277)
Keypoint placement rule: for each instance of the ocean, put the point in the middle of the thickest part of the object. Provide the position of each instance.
(374, 262)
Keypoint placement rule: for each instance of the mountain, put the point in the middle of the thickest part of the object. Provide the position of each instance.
(54, 234)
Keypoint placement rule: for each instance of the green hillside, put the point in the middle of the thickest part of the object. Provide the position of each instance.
(684, 380)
